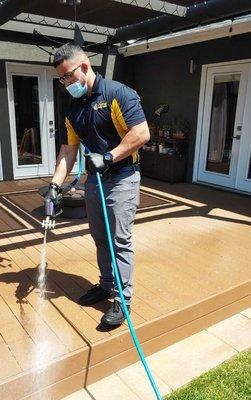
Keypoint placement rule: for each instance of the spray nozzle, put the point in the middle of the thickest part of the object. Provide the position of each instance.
(48, 223)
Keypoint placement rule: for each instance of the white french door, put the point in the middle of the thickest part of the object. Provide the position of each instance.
(36, 106)
(223, 143)
(243, 177)
(33, 148)
(58, 101)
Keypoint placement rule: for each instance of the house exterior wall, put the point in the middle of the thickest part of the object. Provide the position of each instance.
(164, 77)
(159, 77)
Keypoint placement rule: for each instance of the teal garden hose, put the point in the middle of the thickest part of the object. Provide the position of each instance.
(119, 285)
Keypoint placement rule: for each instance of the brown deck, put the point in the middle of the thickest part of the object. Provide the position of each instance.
(193, 253)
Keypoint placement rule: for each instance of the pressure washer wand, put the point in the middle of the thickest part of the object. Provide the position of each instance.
(49, 221)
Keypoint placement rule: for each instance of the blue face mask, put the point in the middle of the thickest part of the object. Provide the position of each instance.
(77, 90)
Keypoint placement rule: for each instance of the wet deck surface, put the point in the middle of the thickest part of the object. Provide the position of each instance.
(191, 242)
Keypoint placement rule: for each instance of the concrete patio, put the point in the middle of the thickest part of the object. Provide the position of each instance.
(176, 365)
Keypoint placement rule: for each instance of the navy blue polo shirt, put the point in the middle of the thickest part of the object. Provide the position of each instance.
(101, 120)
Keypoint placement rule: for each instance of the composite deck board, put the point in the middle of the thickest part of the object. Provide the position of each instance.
(50, 315)
(37, 332)
(75, 250)
(69, 309)
(11, 366)
(7, 221)
(191, 243)
(71, 290)
(33, 254)
(72, 261)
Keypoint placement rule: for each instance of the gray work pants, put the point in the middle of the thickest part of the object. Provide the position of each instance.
(121, 192)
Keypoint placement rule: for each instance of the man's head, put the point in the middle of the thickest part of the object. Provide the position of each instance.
(73, 65)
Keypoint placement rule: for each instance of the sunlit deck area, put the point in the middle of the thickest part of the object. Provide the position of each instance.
(193, 256)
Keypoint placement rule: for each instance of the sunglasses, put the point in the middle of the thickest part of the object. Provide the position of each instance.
(67, 75)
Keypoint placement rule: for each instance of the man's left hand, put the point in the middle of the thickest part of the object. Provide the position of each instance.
(95, 163)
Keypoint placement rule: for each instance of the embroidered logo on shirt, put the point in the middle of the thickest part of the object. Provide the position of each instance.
(101, 104)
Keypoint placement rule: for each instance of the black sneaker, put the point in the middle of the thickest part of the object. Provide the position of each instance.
(114, 316)
(95, 294)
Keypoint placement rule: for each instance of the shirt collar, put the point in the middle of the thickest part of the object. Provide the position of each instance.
(97, 85)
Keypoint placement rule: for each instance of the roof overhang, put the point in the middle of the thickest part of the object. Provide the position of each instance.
(206, 12)
(217, 30)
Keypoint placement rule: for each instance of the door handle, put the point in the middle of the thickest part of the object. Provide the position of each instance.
(237, 137)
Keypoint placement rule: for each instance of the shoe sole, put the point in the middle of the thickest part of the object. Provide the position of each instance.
(104, 323)
(112, 324)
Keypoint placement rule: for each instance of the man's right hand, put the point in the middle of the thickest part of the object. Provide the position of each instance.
(95, 163)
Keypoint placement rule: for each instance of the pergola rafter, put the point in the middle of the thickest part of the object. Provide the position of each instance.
(157, 5)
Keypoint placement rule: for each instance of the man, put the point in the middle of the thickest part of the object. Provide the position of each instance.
(108, 118)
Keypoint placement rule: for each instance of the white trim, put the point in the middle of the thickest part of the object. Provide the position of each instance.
(200, 121)
(223, 63)
(1, 164)
(217, 30)
(223, 188)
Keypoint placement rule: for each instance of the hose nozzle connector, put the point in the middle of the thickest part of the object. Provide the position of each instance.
(48, 223)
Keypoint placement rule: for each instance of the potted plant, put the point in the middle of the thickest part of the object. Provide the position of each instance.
(180, 128)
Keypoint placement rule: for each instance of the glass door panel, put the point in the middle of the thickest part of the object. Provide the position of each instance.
(223, 113)
(26, 103)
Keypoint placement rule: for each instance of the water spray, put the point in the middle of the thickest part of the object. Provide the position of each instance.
(47, 223)
(51, 212)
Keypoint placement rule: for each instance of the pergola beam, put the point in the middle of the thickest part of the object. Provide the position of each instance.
(157, 5)
(27, 23)
(64, 24)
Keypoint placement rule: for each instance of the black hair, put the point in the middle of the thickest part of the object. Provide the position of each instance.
(66, 52)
